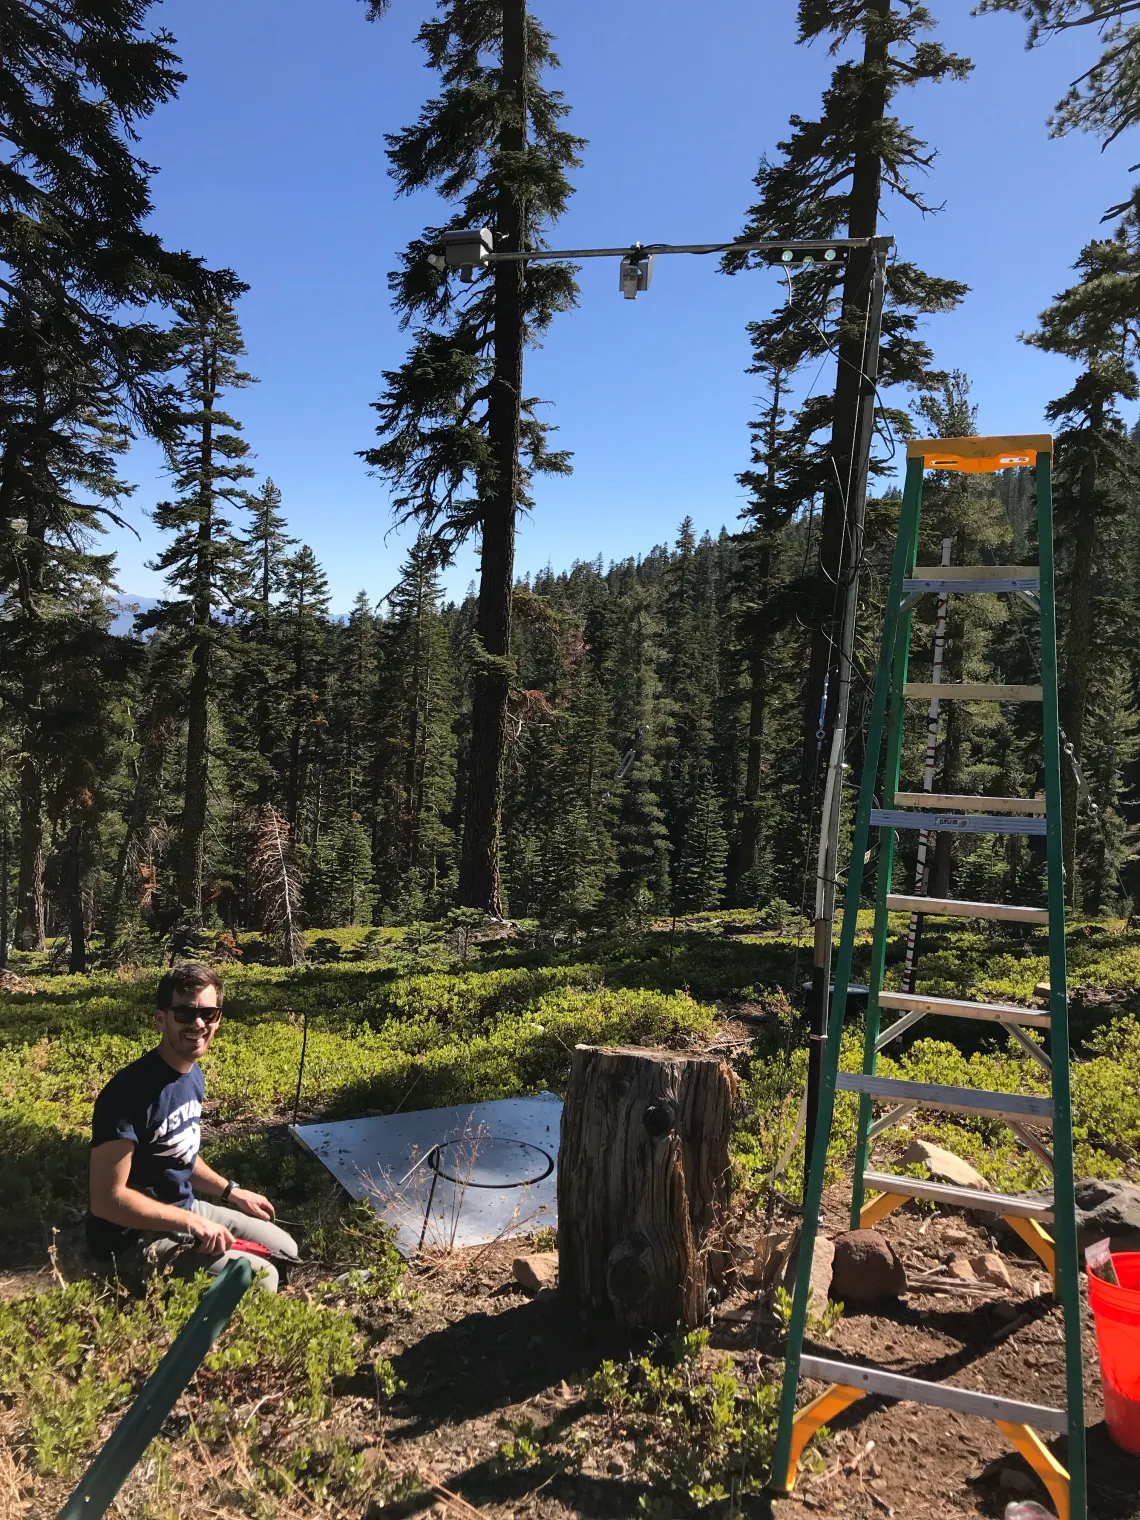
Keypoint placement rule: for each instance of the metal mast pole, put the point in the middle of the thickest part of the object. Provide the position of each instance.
(828, 857)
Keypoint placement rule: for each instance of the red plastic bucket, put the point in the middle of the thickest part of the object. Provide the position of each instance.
(1117, 1314)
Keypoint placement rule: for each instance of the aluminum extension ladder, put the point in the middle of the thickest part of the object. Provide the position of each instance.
(1019, 1421)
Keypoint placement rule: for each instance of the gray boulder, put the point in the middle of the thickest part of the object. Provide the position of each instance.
(1104, 1210)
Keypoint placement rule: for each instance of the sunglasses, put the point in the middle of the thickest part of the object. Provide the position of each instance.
(186, 1015)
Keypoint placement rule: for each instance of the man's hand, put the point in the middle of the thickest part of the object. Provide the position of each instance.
(209, 1238)
(254, 1204)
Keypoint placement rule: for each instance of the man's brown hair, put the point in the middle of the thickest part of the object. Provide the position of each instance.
(190, 978)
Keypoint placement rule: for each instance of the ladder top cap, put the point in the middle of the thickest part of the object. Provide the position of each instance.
(978, 456)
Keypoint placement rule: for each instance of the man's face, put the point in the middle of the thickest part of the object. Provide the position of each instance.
(189, 1024)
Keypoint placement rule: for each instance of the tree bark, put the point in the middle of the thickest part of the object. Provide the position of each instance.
(643, 1184)
(77, 924)
(479, 885)
(847, 441)
(30, 923)
(1073, 693)
(196, 802)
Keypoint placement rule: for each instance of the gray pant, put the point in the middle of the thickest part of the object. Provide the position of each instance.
(151, 1253)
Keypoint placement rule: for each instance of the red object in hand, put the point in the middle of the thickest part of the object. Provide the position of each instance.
(251, 1247)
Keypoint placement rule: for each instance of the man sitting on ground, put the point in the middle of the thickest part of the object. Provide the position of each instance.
(145, 1166)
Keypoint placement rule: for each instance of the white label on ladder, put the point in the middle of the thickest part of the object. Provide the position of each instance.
(962, 823)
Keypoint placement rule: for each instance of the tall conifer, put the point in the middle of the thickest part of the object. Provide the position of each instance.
(1095, 322)
(460, 438)
(205, 561)
(831, 178)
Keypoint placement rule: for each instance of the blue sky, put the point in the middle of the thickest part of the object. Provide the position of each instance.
(272, 162)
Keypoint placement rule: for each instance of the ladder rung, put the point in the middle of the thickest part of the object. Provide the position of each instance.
(970, 804)
(940, 1395)
(960, 1197)
(971, 691)
(961, 1008)
(943, 579)
(947, 907)
(976, 572)
(959, 823)
(956, 1100)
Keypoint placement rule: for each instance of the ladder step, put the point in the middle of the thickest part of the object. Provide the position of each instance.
(960, 823)
(961, 1008)
(939, 1395)
(959, 1197)
(955, 1100)
(972, 691)
(969, 578)
(951, 804)
(947, 907)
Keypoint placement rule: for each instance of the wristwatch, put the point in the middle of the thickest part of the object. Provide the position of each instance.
(227, 1190)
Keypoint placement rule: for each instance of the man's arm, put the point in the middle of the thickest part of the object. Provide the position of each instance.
(204, 1180)
(114, 1200)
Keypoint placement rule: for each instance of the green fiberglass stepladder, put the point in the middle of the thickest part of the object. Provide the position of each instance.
(1019, 1421)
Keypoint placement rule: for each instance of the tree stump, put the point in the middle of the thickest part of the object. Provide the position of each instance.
(643, 1182)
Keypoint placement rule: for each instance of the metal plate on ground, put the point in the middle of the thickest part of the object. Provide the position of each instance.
(447, 1177)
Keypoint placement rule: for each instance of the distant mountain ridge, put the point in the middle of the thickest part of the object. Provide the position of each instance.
(126, 608)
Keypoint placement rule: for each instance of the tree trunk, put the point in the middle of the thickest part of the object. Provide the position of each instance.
(77, 926)
(30, 925)
(847, 441)
(4, 887)
(751, 817)
(196, 801)
(479, 885)
(1073, 693)
(643, 1184)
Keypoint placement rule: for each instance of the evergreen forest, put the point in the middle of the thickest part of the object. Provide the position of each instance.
(449, 850)
(588, 747)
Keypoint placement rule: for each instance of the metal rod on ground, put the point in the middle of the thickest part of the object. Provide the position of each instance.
(833, 791)
(159, 1394)
(921, 871)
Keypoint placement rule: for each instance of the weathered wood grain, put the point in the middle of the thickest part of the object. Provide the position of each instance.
(643, 1176)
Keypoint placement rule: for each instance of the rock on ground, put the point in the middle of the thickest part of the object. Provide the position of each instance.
(1104, 1210)
(961, 1268)
(536, 1272)
(990, 1268)
(866, 1269)
(944, 1166)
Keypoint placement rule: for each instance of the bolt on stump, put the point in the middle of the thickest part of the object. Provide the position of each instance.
(643, 1184)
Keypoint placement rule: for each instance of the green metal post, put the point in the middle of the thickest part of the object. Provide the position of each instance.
(159, 1394)
(895, 732)
(1064, 1204)
(908, 532)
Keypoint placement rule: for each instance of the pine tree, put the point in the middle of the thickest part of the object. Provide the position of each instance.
(302, 628)
(266, 545)
(779, 481)
(341, 890)
(1096, 323)
(414, 777)
(642, 726)
(461, 439)
(66, 483)
(1105, 98)
(205, 561)
(831, 178)
(699, 876)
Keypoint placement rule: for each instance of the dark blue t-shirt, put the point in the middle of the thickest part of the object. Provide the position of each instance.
(160, 1111)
